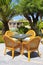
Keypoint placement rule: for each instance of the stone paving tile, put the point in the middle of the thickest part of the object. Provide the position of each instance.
(20, 60)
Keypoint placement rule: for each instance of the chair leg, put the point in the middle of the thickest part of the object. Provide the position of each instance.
(28, 55)
(39, 53)
(5, 51)
(21, 50)
(12, 53)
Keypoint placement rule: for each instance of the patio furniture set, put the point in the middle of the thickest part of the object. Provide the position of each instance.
(28, 41)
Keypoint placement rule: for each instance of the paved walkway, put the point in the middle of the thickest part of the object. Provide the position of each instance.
(20, 60)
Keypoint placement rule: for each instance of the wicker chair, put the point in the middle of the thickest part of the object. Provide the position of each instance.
(32, 32)
(10, 44)
(9, 33)
(31, 45)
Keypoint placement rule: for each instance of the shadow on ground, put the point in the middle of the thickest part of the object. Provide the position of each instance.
(32, 54)
(15, 53)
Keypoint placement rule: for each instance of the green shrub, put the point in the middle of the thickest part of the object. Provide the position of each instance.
(26, 23)
(1, 39)
(1, 25)
(40, 25)
(22, 29)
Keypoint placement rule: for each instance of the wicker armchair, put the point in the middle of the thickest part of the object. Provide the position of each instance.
(32, 32)
(9, 33)
(31, 45)
(10, 44)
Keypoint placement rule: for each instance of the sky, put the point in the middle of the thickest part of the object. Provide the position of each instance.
(18, 17)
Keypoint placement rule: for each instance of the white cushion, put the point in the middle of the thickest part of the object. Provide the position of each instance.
(26, 39)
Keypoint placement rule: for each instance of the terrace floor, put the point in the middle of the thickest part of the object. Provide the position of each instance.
(19, 59)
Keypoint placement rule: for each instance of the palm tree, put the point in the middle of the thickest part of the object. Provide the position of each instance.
(7, 12)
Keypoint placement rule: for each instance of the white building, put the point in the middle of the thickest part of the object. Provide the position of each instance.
(13, 25)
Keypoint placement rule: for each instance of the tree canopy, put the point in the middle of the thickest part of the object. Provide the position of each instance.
(7, 9)
(30, 6)
(7, 12)
(31, 9)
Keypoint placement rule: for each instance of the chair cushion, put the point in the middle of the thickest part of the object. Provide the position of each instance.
(26, 39)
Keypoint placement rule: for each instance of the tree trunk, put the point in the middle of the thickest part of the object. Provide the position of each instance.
(5, 27)
(34, 23)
